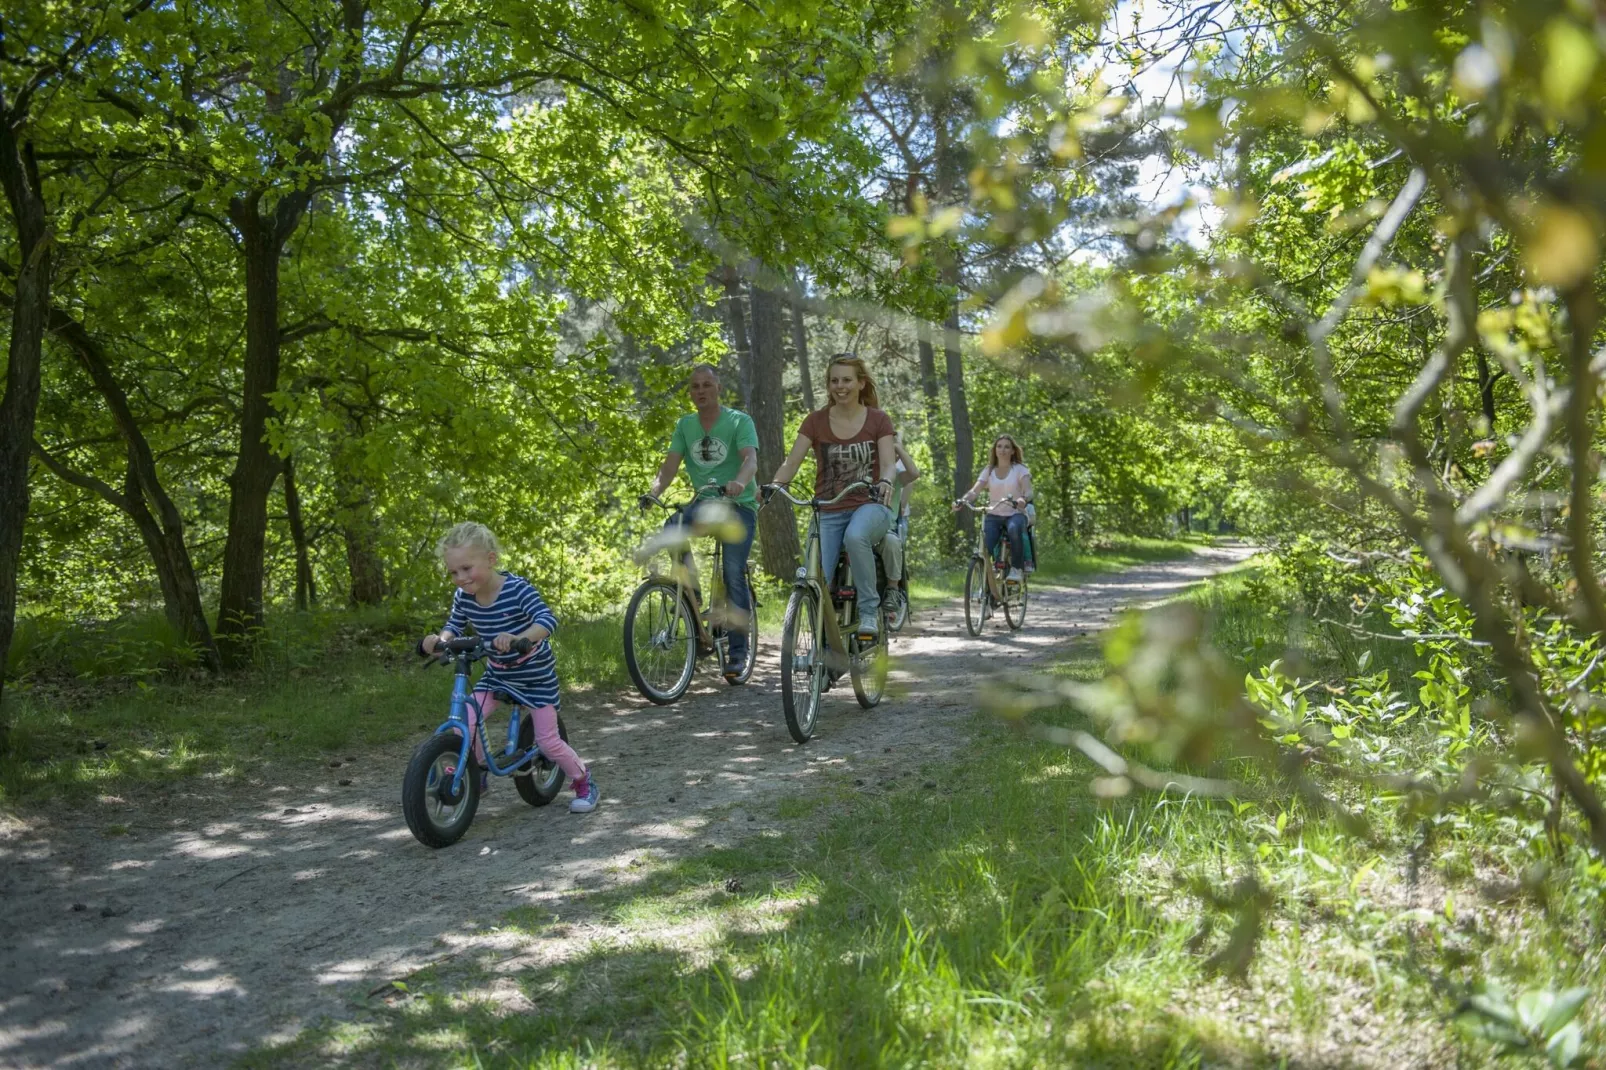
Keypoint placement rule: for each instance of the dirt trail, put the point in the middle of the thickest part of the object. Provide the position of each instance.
(230, 915)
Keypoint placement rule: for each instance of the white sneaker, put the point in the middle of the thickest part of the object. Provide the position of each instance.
(1014, 576)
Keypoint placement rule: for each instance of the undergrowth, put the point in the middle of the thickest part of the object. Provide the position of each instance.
(1000, 914)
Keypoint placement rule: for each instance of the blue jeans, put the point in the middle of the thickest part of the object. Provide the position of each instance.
(859, 530)
(1016, 526)
(734, 568)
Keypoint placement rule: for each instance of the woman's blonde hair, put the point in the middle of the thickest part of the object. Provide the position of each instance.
(469, 533)
(867, 394)
(1017, 457)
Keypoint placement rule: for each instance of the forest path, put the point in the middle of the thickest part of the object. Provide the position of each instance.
(187, 925)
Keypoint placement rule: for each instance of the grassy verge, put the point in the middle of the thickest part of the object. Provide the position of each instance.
(1061, 563)
(1004, 917)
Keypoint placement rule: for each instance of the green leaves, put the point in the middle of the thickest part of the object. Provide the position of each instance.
(1539, 1021)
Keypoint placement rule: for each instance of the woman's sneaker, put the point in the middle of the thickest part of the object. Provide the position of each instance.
(1014, 576)
(586, 795)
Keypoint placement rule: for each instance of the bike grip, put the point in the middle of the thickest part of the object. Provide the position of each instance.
(521, 646)
(418, 648)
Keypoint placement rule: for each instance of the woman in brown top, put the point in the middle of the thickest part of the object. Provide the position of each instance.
(852, 441)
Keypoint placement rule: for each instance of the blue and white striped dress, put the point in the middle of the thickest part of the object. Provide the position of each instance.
(532, 679)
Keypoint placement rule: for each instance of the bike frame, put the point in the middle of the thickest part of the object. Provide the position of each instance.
(678, 572)
(457, 720)
(812, 575)
(995, 595)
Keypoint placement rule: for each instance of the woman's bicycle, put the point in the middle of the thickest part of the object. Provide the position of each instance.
(665, 633)
(818, 646)
(987, 586)
(441, 788)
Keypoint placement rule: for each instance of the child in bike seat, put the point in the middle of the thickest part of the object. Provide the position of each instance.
(503, 607)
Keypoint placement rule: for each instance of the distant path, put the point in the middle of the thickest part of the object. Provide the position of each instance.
(232, 914)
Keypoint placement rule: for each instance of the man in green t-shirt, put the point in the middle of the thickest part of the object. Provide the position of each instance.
(719, 445)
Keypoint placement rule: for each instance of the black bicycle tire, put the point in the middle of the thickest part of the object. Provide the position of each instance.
(1013, 618)
(800, 727)
(661, 698)
(751, 661)
(415, 792)
(870, 697)
(976, 574)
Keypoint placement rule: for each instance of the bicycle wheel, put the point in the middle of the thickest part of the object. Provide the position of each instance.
(802, 667)
(660, 641)
(975, 596)
(539, 781)
(436, 816)
(751, 660)
(870, 666)
(1015, 606)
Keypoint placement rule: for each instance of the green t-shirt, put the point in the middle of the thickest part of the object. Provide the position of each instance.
(716, 455)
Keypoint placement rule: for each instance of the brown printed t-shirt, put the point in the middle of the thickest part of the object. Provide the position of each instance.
(839, 462)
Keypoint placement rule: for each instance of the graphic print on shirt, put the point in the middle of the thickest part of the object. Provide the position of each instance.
(710, 451)
(847, 463)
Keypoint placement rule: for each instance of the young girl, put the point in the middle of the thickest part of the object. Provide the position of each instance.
(506, 608)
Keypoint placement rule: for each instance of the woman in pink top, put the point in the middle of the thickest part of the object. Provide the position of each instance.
(1009, 487)
(852, 441)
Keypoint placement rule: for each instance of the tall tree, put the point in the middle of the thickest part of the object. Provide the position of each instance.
(777, 527)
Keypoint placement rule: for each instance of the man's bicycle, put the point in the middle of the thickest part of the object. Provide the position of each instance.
(665, 632)
(441, 788)
(987, 586)
(818, 646)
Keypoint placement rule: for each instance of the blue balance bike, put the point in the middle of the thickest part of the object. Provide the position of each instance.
(441, 788)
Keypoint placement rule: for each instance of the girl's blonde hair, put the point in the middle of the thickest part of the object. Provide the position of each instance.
(469, 533)
(867, 393)
(1016, 456)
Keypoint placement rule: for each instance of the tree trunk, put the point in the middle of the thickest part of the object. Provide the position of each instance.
(181, 597)
(935, 439)
(255, 467)
(306, 591)
(800, 348)
(778, 543)
(163, 530)
(959, 412)
(20, 405)
(736, 321)
(360, 528)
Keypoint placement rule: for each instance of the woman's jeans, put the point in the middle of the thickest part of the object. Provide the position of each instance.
(1016, 526)
(859, 530)
(735, 569)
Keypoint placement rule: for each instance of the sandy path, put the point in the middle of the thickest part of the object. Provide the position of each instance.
(230, 915)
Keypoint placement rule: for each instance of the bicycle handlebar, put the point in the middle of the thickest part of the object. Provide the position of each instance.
(982, 507)
(473, 645)
(717, 488)
(814, 503)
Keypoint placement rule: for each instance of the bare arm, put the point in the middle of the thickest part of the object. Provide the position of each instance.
(1026, 486)
(789, 467)
(744, 474)
(887, 448)
(666, 474)
(911, 472)
(981, 481)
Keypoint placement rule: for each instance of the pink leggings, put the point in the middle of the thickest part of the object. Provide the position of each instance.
(546, 735)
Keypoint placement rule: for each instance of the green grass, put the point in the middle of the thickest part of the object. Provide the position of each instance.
(996, 914)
